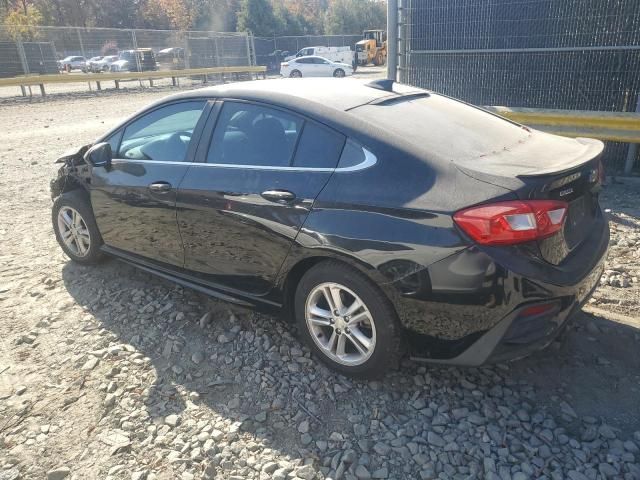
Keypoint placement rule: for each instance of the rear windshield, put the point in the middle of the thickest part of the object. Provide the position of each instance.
(444, 127)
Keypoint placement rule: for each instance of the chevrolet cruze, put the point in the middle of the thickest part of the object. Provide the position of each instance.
(383, 219)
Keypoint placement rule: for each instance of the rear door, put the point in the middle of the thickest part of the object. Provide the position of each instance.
(134, 200)
(243, 201)
(322, 67)
(306, 66)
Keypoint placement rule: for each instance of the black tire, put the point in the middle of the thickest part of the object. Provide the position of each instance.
(78, 200)
(388, 348)
(338, 73)
(295, 74)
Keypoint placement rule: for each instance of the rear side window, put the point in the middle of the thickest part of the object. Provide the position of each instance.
(319, 147)
(352, 155)
(248, 134)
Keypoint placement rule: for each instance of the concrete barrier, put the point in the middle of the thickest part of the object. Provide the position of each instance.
(612, 126)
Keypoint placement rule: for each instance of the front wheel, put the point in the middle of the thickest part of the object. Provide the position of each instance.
(347, 321)
(296, 74)
(75, 227)
(339, 73)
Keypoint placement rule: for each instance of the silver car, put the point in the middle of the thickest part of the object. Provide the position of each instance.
(73, 62)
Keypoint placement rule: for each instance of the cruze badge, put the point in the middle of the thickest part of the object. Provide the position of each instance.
(566, 192)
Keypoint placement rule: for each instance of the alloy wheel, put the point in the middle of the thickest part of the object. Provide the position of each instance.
(340, 324)
(73, 231)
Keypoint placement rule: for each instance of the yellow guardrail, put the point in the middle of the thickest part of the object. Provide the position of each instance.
(612, 126)
(42, 80)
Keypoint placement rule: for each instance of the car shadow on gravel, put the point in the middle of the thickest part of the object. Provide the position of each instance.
(249, 370)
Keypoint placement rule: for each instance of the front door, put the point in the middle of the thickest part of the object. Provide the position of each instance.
(242, 203)
(134, 199)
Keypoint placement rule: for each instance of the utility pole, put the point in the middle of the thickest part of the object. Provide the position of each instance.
(392, 39)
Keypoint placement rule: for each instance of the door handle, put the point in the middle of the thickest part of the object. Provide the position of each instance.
(280, 196)
(160, 187)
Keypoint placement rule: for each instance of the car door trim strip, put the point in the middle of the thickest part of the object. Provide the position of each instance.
(369, 161)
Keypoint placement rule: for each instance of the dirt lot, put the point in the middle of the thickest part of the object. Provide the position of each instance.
(108, 372)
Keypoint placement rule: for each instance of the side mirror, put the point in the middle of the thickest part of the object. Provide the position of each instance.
(99, 155)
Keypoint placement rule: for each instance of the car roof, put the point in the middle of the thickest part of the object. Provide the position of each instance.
(307, 95)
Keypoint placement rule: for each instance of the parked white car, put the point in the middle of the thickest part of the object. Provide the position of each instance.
(104, 64)
(89, 63)
(334, 54)
(314, 67)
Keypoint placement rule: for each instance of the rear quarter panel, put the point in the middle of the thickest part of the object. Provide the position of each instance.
(393, 219)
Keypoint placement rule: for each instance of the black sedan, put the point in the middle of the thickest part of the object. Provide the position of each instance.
(383, 219)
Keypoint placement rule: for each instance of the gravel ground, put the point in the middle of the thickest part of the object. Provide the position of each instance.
(110, 373)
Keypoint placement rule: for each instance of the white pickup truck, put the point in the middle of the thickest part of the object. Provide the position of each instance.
(335, 54)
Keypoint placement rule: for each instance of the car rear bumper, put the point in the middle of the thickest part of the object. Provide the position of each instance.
(476, 310)
(517, 336)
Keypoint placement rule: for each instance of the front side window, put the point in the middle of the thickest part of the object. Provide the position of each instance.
(163, 134)
(248, 134)
(114, 140)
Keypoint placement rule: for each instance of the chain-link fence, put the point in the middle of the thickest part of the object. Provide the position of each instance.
(567, 54)
(44, 50)
(270, 51)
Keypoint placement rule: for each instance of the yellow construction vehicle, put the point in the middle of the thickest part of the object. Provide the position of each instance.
(372, 48)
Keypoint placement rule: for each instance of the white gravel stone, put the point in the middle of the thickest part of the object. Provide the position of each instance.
(306, 472)
(58, 473)
(172, 420)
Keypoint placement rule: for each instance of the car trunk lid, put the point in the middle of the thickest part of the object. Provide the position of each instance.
(548, 167)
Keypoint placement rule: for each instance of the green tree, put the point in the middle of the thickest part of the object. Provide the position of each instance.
(354, 16)
(166, 14)
(289, 23)
(215, 15)
(21, 20)
(257, 16)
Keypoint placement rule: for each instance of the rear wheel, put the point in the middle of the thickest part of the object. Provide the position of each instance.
(339, 73)
(75, 227)
(296, 74)
(347, 321)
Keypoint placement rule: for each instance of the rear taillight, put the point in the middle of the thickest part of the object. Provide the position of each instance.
(508, 223)
(539, 309)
